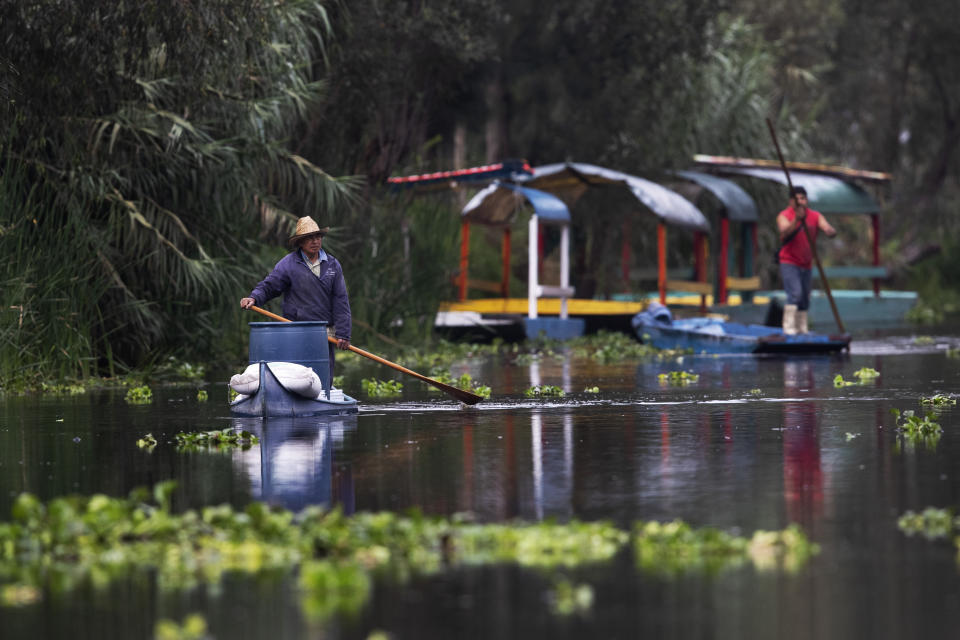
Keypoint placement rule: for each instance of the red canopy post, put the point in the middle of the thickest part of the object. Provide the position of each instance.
(662, 262)
(722, 260)
(699, 264)
(875, 221)
(464, 259)
(505, 254)
(625, 256)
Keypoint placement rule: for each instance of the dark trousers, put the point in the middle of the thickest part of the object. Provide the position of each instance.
(796, 283)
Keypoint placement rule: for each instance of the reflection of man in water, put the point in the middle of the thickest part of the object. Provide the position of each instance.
(802, 474)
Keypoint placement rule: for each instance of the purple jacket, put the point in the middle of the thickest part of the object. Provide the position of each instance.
(305, 296)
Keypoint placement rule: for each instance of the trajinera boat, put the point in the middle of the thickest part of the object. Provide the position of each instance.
(289, 373)
(656, 326)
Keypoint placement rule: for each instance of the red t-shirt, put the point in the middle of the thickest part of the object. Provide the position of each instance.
(797, 251)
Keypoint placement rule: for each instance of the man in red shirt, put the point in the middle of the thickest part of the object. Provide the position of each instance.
(796, 257)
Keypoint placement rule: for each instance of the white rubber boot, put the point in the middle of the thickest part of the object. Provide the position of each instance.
(790, 319)
(802, 326)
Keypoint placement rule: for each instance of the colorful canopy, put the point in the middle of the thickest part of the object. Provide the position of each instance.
(830, 189)
(738, 204)
(570, 180)
(498, 202)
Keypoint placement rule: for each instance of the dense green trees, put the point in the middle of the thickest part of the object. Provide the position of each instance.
(154, 153)
(157, 134)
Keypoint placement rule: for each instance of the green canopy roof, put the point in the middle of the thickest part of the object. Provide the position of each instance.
(827, 194)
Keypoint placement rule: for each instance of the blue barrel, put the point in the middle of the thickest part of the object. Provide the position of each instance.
(299, 342)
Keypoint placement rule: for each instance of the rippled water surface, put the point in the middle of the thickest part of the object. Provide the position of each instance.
(755, 443)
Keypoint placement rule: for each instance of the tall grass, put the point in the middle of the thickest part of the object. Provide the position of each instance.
(48, 291)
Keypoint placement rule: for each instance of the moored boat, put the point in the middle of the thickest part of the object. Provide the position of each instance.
(655, 326)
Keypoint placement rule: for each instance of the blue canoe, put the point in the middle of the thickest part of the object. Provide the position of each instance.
(656, 327)
(272, 399)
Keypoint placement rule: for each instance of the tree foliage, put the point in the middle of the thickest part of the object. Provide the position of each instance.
(170, 145)
(170, 123)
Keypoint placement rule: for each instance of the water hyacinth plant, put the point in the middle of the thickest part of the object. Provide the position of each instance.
(675, 547)
(217, 440)
(68, 541)
(465, 382)
(139, 395)
(931, 523)
(917, 430)
(147, 442)
(381, 389)
(544, 391)
(678, 378)
(939, 400)
(864, 375)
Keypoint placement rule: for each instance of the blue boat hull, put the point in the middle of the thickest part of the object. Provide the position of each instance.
(273, 400)
(710, 335)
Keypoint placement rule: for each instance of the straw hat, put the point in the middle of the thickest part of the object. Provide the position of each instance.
(306, 226)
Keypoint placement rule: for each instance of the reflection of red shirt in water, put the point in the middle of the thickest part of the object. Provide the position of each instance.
(802, 472)
(797, 251)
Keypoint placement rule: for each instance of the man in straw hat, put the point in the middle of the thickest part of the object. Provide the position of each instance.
(311, 283)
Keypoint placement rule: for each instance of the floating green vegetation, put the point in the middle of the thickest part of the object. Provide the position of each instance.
(464, 382)
(592, 390)
(381, 389)
(201, 395)
(194, 627)
(217, 439)
(912, 424)
(19, 595)
(850, 436)
(536, 355)
(866, 373)
(568, 598)
(139, 395)
(930, 523)
(678, 378)
(952, 352)
(544, 391)
(756, 392)
(939, 400)
(67, 389)
(76, 542)
(923, 340)
(839, 382)
(611, 346)
(147, 442)
(675, 547)
(917, 430)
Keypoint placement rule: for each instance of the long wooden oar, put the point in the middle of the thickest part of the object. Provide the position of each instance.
(463, 396)
(806, 232)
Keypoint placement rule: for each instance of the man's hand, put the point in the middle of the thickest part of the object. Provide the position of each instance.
(343, 344)
(246, 303)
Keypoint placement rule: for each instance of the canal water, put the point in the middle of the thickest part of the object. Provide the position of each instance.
(754, 443)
